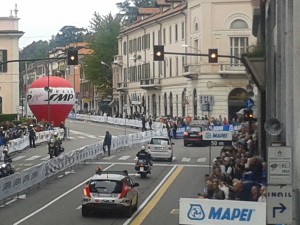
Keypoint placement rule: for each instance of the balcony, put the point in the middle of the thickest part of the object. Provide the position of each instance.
(121, 86)
(191, 71)
(230, 69)
(118, 60)
(150, 84)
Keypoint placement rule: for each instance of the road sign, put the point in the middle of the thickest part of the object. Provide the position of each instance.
(249, 103)
(218, 143)
(217, 135)
(280, 165)
(279, 204)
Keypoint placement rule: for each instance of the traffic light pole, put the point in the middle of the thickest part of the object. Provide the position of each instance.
(26, 60)
(200, 54)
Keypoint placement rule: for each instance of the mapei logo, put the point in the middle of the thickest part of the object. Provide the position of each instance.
(196, 212)
(208, 135)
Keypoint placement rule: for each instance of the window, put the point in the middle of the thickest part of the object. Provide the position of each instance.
(176, 32)
(164, 36)
(125, 48)
(238, 24)
(182, 30)
(3, 58)
(176, 66)
(134, 45)
(153, 38)
(139, 44)
(238, 46)
(130, 46)
(196, 26)
(170, 66)
(170, 34)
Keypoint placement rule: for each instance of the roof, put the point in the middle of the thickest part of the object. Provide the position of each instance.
(147, 11)
(154, 17)
(110, 175)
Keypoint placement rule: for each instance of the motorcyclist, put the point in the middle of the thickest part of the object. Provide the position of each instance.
(143, 154)
(6, 156)
(55, 139)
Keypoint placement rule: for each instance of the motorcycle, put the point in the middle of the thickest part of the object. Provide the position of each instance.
(143, 167)
(55, 148)
(6, 169)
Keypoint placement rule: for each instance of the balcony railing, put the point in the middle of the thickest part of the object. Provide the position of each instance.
(232, 69)
(191, 71)
(151, 83)
(118, 59)
(122, 86)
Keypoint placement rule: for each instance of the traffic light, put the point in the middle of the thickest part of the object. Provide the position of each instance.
(158, 53)
(248, 115)
(213, 55)
(72, 57)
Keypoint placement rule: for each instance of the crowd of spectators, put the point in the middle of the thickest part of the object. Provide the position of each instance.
(10, 131)
(239, 173)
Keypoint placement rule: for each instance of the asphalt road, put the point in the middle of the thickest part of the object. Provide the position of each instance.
(58, 200)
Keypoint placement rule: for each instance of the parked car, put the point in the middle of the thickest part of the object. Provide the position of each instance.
(193, 135)
(160, 147)
(110, 190)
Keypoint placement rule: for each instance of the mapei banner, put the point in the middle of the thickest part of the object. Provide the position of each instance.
(221, 212)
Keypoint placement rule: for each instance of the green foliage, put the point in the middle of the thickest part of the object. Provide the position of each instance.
(103, 41)
(129, 9)
(36, 50)
(7, 117)
(67, 35)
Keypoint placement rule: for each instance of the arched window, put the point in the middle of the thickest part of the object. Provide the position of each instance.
(238, 24)
(196, 26)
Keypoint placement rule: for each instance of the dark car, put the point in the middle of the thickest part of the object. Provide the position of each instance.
(193, 135)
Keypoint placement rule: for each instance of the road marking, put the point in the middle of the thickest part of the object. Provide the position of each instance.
(125, 157)
(184, 159)
(45, 158)
(163, 187)
(201, 160)
(55, 200)
(33, 157)
(19, 157)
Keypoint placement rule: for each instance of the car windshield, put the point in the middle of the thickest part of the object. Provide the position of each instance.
(159, 141)
(195, 129)
(106, 186)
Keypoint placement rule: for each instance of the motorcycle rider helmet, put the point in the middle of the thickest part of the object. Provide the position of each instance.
(55, 134)
(143, 148)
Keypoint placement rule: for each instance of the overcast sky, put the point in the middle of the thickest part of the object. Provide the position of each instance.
(41, 19)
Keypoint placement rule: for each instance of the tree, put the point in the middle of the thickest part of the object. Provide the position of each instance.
(67, 35)
(129, 9)
(36, 50)
(103, 41)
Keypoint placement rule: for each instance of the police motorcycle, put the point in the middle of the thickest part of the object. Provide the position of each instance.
(144, 163)
(6, 167)
(55, 146)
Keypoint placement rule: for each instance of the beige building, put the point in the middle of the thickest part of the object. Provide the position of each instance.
(184, 85)
(9, 73)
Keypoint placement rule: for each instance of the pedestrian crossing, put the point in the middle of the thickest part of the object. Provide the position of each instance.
(111, 157)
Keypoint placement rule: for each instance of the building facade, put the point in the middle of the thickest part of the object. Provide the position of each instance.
(184, 85)
(9, 73)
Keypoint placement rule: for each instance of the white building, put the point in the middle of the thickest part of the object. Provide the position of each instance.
(9, 73)
(184, 85)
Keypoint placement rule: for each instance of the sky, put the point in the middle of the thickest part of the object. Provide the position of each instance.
(41, 19)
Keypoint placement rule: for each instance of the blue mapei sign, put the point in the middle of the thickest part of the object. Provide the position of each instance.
(221, 212)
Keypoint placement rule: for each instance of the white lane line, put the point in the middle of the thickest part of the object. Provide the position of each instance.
(55, 200)
(128, 221)
(201, 159)
(125, 157)
(33, 157)
(19, 157)
(184, 159)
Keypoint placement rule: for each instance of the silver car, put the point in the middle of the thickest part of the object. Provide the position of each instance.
(160, 147)
(110, 190)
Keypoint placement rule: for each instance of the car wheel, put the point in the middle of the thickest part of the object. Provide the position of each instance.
(128, 211)
(84, 211)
